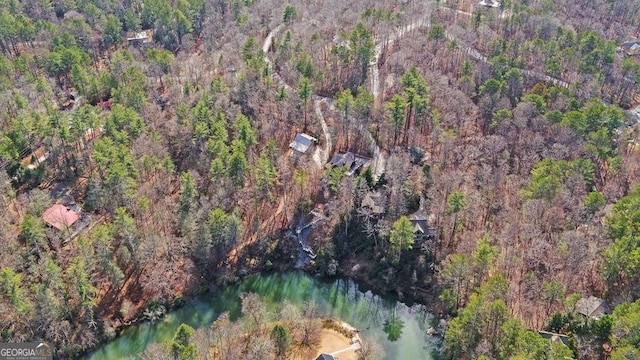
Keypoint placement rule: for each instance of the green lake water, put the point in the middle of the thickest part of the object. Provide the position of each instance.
(338, 298)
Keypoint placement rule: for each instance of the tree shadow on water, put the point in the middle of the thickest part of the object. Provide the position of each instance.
(393, 327)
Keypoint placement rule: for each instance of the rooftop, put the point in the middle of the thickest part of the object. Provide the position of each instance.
(420, 220)
(92, 133)
(632, 43)
(302, 142)
(375, 201)
(352, 161)
(142, 36)
(631, 47)
(60, 216)
(35, 158)
(490, 3)
(325, 357)
(592, 307)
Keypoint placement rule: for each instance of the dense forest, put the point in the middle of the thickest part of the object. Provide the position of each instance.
(145, 152)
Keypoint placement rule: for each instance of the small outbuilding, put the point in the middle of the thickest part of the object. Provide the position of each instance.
(490, 3)
(36, 158)
(303, 142)
(325, 357)
(592, 307)
(141, 37)
(60, 217)
(631, 48)
(92, 134)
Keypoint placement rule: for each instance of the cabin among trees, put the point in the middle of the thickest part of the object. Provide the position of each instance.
(592, 307)
(36, 158)
(515, 113)
(375, 202)
(490, 3)
(631, 48)
(420, 221)
(302, 143)
(139, 38)
(353, 163)
(60, 217)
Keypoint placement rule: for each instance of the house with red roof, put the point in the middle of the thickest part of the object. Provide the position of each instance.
(60, 217)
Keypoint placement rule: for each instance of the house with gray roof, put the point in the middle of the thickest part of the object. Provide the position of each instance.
(592, 307)
(303, 142)
(420, 221)
(375, 201)
(490, 3)
(631, 48)
(325, 357)
(352, 162)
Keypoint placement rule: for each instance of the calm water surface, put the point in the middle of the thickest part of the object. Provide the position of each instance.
(339, 298)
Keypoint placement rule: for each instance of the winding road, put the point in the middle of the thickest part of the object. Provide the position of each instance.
(321, 156)
(468, 49)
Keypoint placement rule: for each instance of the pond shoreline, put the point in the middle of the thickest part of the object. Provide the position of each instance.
(346, 283)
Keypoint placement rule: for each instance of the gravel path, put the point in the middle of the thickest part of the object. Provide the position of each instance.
(321, 156)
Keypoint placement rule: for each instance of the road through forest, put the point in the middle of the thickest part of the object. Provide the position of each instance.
(321, 156)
